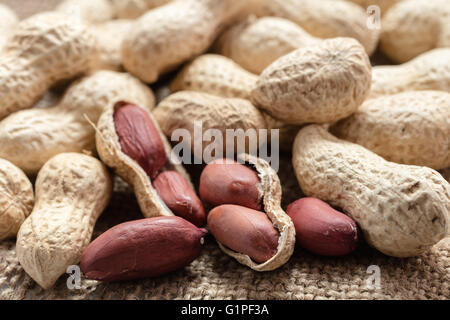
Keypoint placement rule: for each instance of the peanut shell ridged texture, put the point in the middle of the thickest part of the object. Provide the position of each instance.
(44, 49)
(324, 19)
(109, 40)
(322, 83)
(72, 190)
(43, 133)
(93, 11)
(384, 5)
(255, 43)
(182, 109)
(16, 199)
(215, 74)
(131, 9)
(429, 71)
(110, 151)
(403, 210)
(218, 75)
(167, 36)
(271, 190)
(409, 127)
(413, 27)
(8, 21)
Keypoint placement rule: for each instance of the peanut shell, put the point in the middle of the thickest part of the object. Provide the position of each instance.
(215, 74)
(402, 210)
(218, 75)
(429, 71)
(16, 199)
(413, 27)
(72, 190)
(43, 133)
(43, 49)
(409, 127)
(324, 19)
(184, 108)
(255, 43)
(109, 36)
(169, 35)
(8, 20)
(92, 11)
(271, 195)
(109, 149)
(321, 83)
(132, 9)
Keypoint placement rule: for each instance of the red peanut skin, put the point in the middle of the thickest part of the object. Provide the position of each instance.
(139, 139)
(321, 229)
(142, 248)
(244, 230)
(179, 196)
(229, 182)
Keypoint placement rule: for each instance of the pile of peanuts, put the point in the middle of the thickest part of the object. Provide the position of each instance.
(366, 142)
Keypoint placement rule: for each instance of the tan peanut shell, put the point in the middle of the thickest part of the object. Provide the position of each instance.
(109, 36)
(16, 199)
(169, 35)
(429, 71)
(93, 11)
(270, 188)
(409, 127)
(218, 75)
(110, 151)
(72, 190)
(324, 19)
(255, 43)
(43, 133)
(43, 49)
(132, 9)
(183, 109)
(8, 21)
(321, 83)
(402, 210)
(413, 27)
(384, 5)
(215, 74)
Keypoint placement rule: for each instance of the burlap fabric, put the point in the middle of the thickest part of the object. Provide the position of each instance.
(214, 275)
